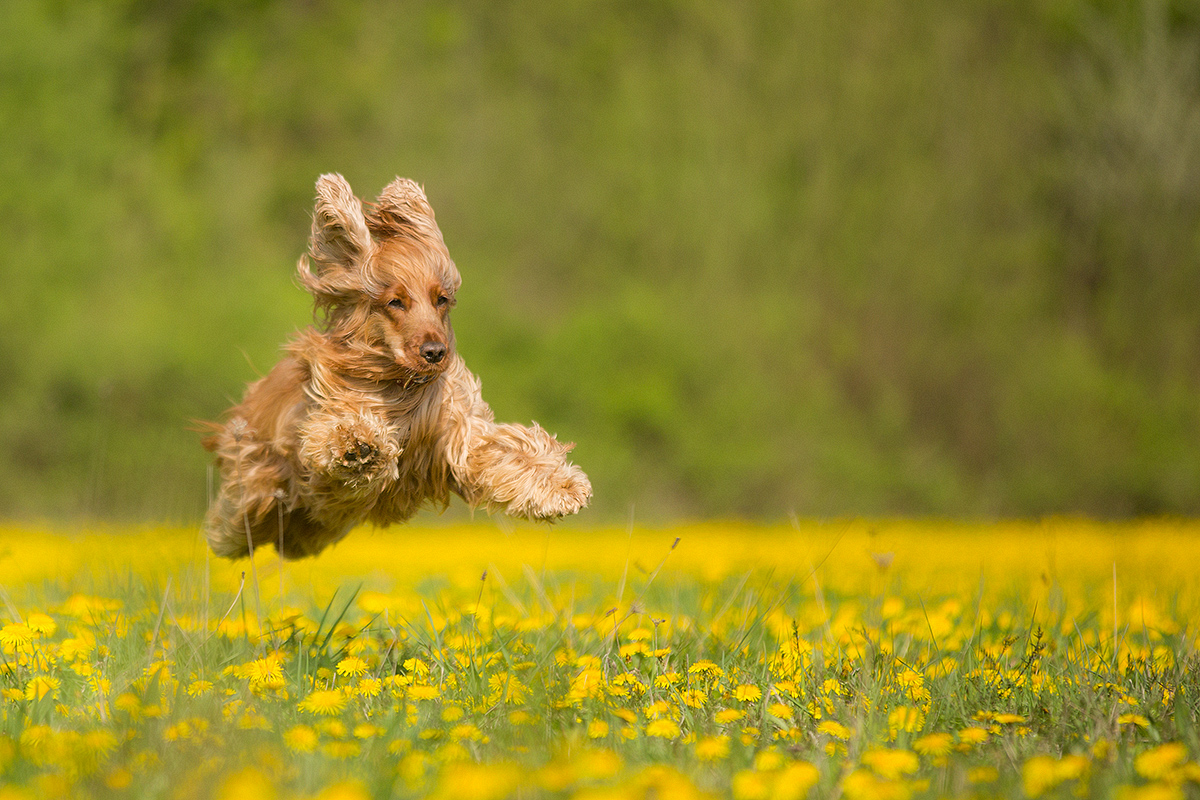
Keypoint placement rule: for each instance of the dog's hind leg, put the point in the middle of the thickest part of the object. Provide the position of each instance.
(253, 483)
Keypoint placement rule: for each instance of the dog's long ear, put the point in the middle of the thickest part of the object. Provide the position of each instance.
(340, 238)
(402, 210)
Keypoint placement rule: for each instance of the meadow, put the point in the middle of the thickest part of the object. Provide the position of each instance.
(857, 659)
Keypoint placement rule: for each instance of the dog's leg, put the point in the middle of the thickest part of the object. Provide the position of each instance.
(521, 471)
(354, 451)
(253, 476)
(525, 472)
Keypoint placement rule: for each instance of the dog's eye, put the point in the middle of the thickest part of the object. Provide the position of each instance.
(397, 304)
(442, 300)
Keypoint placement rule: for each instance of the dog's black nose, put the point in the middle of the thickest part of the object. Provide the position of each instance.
(433, 352)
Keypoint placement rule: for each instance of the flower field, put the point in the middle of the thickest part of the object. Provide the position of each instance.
(848, 659)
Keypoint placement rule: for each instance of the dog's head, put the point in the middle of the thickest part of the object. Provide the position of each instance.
(382, 274)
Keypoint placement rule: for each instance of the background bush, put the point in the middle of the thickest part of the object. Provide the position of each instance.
(756, 259)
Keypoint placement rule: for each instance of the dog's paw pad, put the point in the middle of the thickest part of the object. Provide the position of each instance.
(363, 452)
(358, 452)
(356, 459)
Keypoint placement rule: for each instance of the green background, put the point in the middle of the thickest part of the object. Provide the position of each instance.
(757, 259)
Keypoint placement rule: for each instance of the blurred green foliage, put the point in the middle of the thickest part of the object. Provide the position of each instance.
(755, 258)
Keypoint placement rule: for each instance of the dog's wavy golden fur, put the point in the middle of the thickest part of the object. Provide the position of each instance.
(372, 414)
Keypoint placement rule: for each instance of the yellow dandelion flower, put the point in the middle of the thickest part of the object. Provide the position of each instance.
(597, 765)
(129, 703)
(1038, 775)
(695, 698)
(120, 778)
(625, 714)
(468, 781)
(768, 760)
(667, 680)
(794, 781)
(935, 744)
(905, 718)
(706, 668)
(780, 711)
(749, 785)
(252, 720)
(1152, 791)
(416, 666)
(199, 688)
(726, 715)
(263, 673)
(245, 784)
(465, 731)
(835, 729)
(747, 693)
(1007, 719)
(507, 687)
(98, 743)
(663, 729)
(332, 727)
(324, 701)
(597, 729)
(629, 679)
(658, 709)
(344, 790)
(180, 730)
(40, 686)
(862, 785)
(634, 649)
(15, 634)
(41, 624)
(890, 764)
(342, 750)
(557, 776)
(1133, 719)
(367, 730)
(370, 687)
(423, 692)
(712, 748)
(983, 775)
(1160, 762)
(351, 667)
(35, 738)
(972, 736)
(1072, 767)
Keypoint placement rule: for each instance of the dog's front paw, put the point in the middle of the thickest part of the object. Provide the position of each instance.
(548, 491)
(358, 450)
(525, 473)
(564, 492)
